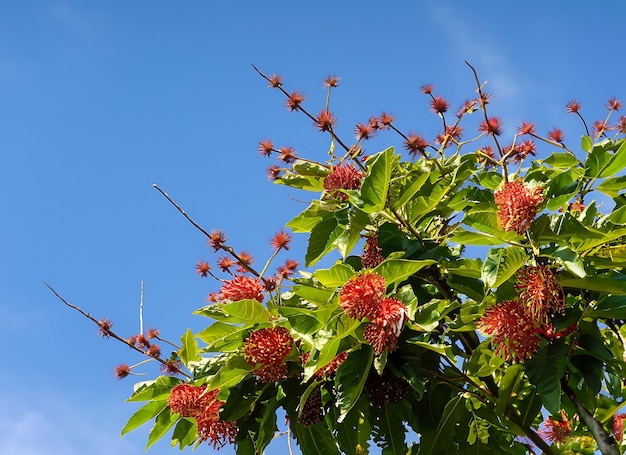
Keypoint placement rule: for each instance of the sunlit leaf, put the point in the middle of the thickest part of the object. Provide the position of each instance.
(145, 413)
(376, 184)
(350, 378)
(501, 264)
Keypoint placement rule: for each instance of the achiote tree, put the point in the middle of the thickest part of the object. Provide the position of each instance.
(477, 304)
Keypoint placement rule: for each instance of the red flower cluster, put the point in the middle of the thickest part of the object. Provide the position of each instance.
(539, 289)
(517, 205)
(329, 369)
(386, 388)
(363, 296)
(618, 427)
(557, 430)
(202, 405)
(512, 328)
(342, 177)
(269, 347)
(242, 288)
(372, 253)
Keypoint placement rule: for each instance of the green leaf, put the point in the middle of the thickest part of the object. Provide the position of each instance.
(334, 277)
(609, 307)
(463, 237)
(483, 361)
(216, 332)
(230, 373)
(164, 421)
(612, 186)
(185, 433)
(357, 220)
(143, 414)
(617, 161)
(397, 270)
(249, 311)
(267, 429)
(350, 378)
(586, 144)
(409, 191)
(376, 184)
(315, 439)
(487, 222)
(562, 160)
(321, 240)
(189, 350)
(451, 415)
(158, 389)
(501, 264)
(507, 385)
(545, 370)
(570, 260)
(610, 282)
(308, 219)
(389, 431)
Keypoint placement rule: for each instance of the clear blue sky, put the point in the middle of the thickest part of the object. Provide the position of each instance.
(98, 100)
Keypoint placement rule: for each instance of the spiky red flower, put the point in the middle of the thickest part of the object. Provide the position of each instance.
(294, 101)
(242, 288)
(386, 325)
(203, 268)
(614, 104)
(527, 128)
(599, 128)
(555, 135)
(576, 206)
(512, 328)
(225, 263)
(468, 105)
(517, 205)
(287, 154)
(342, 177)
(453, 133)
(245, 259)
(104, 327)
(154, 350)
(273, 172)
(372, 253)
(288, 268)
(364, 131)
(172, 367)
(618, 427)
(217, 240)
(439, 105)
(216, 431)
(523, 149)
(331, 81)
(189, 400)
(153, 333)
(621, 124)
(141, 341)
(415, 144)
(486, 154)
(266, 147)
(557, 430)
(361, 296)
(275, 80)
(325, 121)
(427, 89)
(573, 107)
(280, 240)
(269, 347)
(493, 125)
(329, 369)
(538, 288)
(386, 120)
(122, 370)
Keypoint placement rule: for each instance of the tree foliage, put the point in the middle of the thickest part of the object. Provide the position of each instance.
(476, 305)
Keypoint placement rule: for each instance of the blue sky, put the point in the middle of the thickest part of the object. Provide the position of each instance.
(99, 100)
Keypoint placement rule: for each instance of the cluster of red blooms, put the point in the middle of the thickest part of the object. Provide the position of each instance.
(517, 205)
(516, 325)
(342, 177)
(312, 412)
(242, 288)
(269, 347)
(557, 430)
(386, 388)
(372, 253)
(363, 296)
(329, 369)
(618, 427)
(202, 405)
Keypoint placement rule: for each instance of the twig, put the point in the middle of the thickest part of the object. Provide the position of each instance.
(141, 308)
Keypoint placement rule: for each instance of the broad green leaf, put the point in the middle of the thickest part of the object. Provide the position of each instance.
(313, 294)
(501, 264)
(308, 219)
(609, 307)
(397, 270)
(598, 159)
(267, 428)
(562, 160)
(613, 283)
(350, 378)
(507, 386)
(451, 415)
(464, 237)
(376, 184)
(307, 183)
(147, 412)
(409, 191)
(618, 216)
(617, 161)
(334, 277)
(353, 434)
(570, 260)
(483, 361)
(158, 389)
(490, 179)
(162, 424)
(389, 431)
(315, 439)
(545, 370)
(348, 239)
(249, 311)
(230, 373)
(189, 350)
(586, 143)
(487, 222)
(323, 237)
(216, 332)
(184, 434)
(612, 186)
